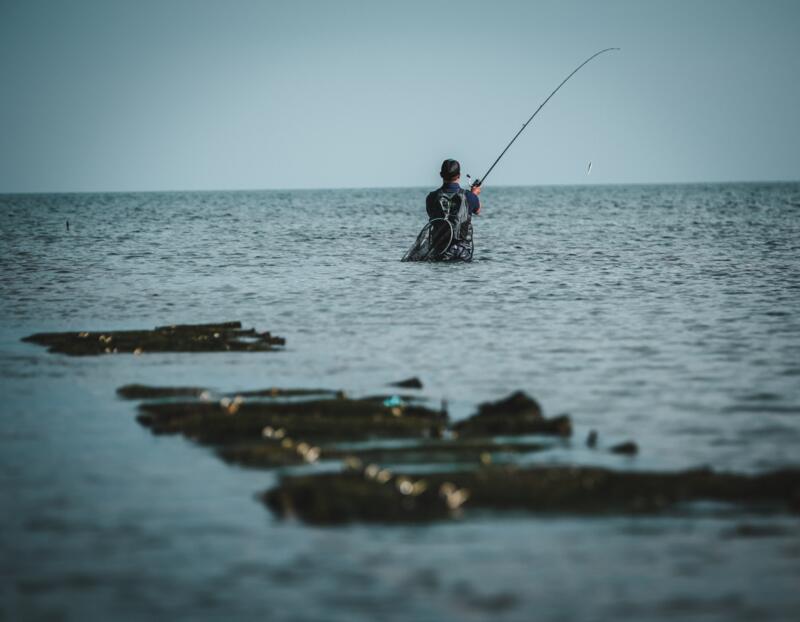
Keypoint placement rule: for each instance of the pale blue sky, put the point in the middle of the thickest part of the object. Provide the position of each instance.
(193, 94)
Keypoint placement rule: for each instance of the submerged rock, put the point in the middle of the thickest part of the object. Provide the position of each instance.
(517, 414)
(279, 450)
(459, 451)
(518, 404)
(376, 495)
(371, 496)
(628, 448)
(227, 336)
(408, 383)
(332, 416)
(257, 432)
(145, 392)
(258, 428)
(238, 419)
(278, 392)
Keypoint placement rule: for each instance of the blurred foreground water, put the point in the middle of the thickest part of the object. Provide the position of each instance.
(663, 314)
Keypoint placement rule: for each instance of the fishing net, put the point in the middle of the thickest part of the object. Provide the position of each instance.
(435, 243)
(432, 242)
(448, 234)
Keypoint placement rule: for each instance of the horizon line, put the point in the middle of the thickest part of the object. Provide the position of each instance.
(414, 187)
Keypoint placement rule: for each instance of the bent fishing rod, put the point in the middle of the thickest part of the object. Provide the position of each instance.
(480, 181)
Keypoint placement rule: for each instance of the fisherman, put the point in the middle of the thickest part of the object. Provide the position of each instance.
(456, 205)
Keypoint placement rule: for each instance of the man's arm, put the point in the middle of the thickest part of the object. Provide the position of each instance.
(473, 200)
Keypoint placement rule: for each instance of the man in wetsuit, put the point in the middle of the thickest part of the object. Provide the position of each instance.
(457, 206)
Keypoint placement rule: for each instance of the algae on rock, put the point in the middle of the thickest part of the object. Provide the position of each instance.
(518, 414)
(239, 419)
(222, 337)
(331, 498)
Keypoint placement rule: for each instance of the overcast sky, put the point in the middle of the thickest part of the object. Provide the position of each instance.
(195, 94)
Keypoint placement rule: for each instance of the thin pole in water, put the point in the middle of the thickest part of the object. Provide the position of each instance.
(480, 181)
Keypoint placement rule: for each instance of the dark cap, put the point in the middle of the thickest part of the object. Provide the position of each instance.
(450, 169)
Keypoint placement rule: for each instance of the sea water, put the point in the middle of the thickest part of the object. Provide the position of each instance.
(666, 315)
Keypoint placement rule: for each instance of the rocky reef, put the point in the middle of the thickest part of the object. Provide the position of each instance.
(399, 460)
(222, 337)
(239, 419)
(372, 494)
(427, 452)
(517, 414)
(395, 458)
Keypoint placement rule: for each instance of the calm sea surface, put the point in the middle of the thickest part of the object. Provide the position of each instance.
(663, 314)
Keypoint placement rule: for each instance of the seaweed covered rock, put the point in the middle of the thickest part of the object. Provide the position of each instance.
(238, 419)
(518, 404)
(145, 392)
(282, 427)
(267, 454)
(376, 495)
(517, 414)
(408, 383)
(275, 450)
(148, 392)
(223, 337)
(628, 448)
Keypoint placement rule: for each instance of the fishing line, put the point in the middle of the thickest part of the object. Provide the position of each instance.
(479, 182)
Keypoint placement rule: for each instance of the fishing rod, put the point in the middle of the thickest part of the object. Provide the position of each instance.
(480, 181)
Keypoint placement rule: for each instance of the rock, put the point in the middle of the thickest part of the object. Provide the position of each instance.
(227, 336)
(517, 404)
(144, 392)
(408, 383)
(239, 419)
(513, 426)
(356, 496)
(270, 453)
(376, 495)
(278, 392)
(439, 451)
(517, 414)
(258, 428)
(628, 448)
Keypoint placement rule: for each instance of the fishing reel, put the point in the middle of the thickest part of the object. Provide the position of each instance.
(473, 183)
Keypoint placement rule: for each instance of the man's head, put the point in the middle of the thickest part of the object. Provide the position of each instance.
(451, 170)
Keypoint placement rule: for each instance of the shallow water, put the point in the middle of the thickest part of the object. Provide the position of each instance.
(664, 314)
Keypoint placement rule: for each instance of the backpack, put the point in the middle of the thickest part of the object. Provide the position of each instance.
(453, 207)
